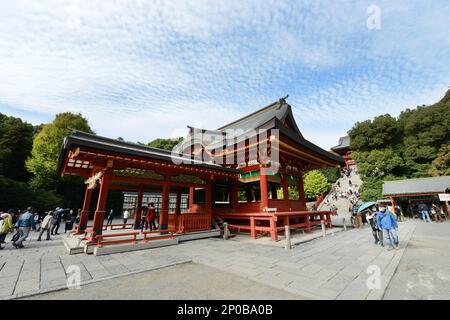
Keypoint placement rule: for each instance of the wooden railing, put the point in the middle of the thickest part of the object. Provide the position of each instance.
(194, 222)
(307, 223)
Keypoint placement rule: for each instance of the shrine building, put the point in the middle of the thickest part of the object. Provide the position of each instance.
(248, 173)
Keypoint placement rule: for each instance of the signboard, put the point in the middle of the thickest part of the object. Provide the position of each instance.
(444, 196)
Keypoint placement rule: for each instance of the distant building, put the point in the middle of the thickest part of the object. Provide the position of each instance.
(343, 149)
(408, 193)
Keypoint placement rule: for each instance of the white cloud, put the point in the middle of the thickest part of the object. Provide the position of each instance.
(200, 62)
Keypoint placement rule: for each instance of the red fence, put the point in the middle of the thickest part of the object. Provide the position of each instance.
(257, 222)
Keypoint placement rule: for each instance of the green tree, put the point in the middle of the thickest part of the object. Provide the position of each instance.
(441, 165)
(332, 174)
(379, 163)
(383, 131)
(166, 144)
(46, 148)
(315, 183)
(16, 139)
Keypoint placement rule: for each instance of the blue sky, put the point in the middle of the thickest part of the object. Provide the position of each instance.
(147, 69)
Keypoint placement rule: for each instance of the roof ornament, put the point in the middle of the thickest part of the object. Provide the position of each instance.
(282, 101)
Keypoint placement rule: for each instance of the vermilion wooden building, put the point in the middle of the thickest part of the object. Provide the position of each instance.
(246, 192)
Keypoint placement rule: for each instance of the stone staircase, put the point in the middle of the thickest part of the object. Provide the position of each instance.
(342, 204)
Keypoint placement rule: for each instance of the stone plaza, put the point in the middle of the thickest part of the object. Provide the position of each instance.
(340, 266)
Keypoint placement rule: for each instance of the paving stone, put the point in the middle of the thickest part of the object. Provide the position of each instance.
(26, 286)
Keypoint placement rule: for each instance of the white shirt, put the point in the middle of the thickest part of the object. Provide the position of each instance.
(126, 214)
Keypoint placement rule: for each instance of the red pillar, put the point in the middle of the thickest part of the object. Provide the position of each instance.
(85, 211)
(301, 192)
(263, 188)
(252, 227)
(99, 216)
(138, 213)
(177, 210)
(328, 222)
(164, 214)
(191, 198)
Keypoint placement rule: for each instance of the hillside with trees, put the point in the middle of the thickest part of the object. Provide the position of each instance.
(414, 145)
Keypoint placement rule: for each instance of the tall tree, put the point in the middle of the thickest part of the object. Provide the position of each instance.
(380, 132)
(46, 148)
(16, 139)
(441, 165)
(315, 183)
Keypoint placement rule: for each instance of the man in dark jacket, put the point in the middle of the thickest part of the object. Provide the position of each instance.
(57, 216)
(376, 232)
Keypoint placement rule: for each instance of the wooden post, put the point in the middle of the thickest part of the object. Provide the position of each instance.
(308, 223)
(252, 227)
(273, 229)
(164, 214)
(263, 189)
(85, 211)
(191, 198)
(329, 225)
(99, 216)
(138, 214)
(177, 209)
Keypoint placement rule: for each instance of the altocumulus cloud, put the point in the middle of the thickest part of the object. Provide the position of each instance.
(146, 69)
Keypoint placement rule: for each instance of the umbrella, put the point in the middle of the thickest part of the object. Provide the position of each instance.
(365, 206)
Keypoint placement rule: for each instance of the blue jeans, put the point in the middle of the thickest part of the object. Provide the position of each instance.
(24, 234)
(391, 234)
(425, 216)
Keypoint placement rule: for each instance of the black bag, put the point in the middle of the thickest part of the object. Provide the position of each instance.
(16, 236)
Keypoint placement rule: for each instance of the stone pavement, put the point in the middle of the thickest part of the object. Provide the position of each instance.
(424, 271)
(331, 268)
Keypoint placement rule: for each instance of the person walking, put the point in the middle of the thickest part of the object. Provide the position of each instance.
(376, 232)
(126, 216)
(46, 225)
(25, 223)
(423, 209)
(150, 217)
(7, 225)
(37, 221)
(143, 220)
(57, 216)
(110, 217)
(387, 222)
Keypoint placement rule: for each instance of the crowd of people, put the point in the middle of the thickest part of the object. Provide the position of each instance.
(351, 193)
(22, 222)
